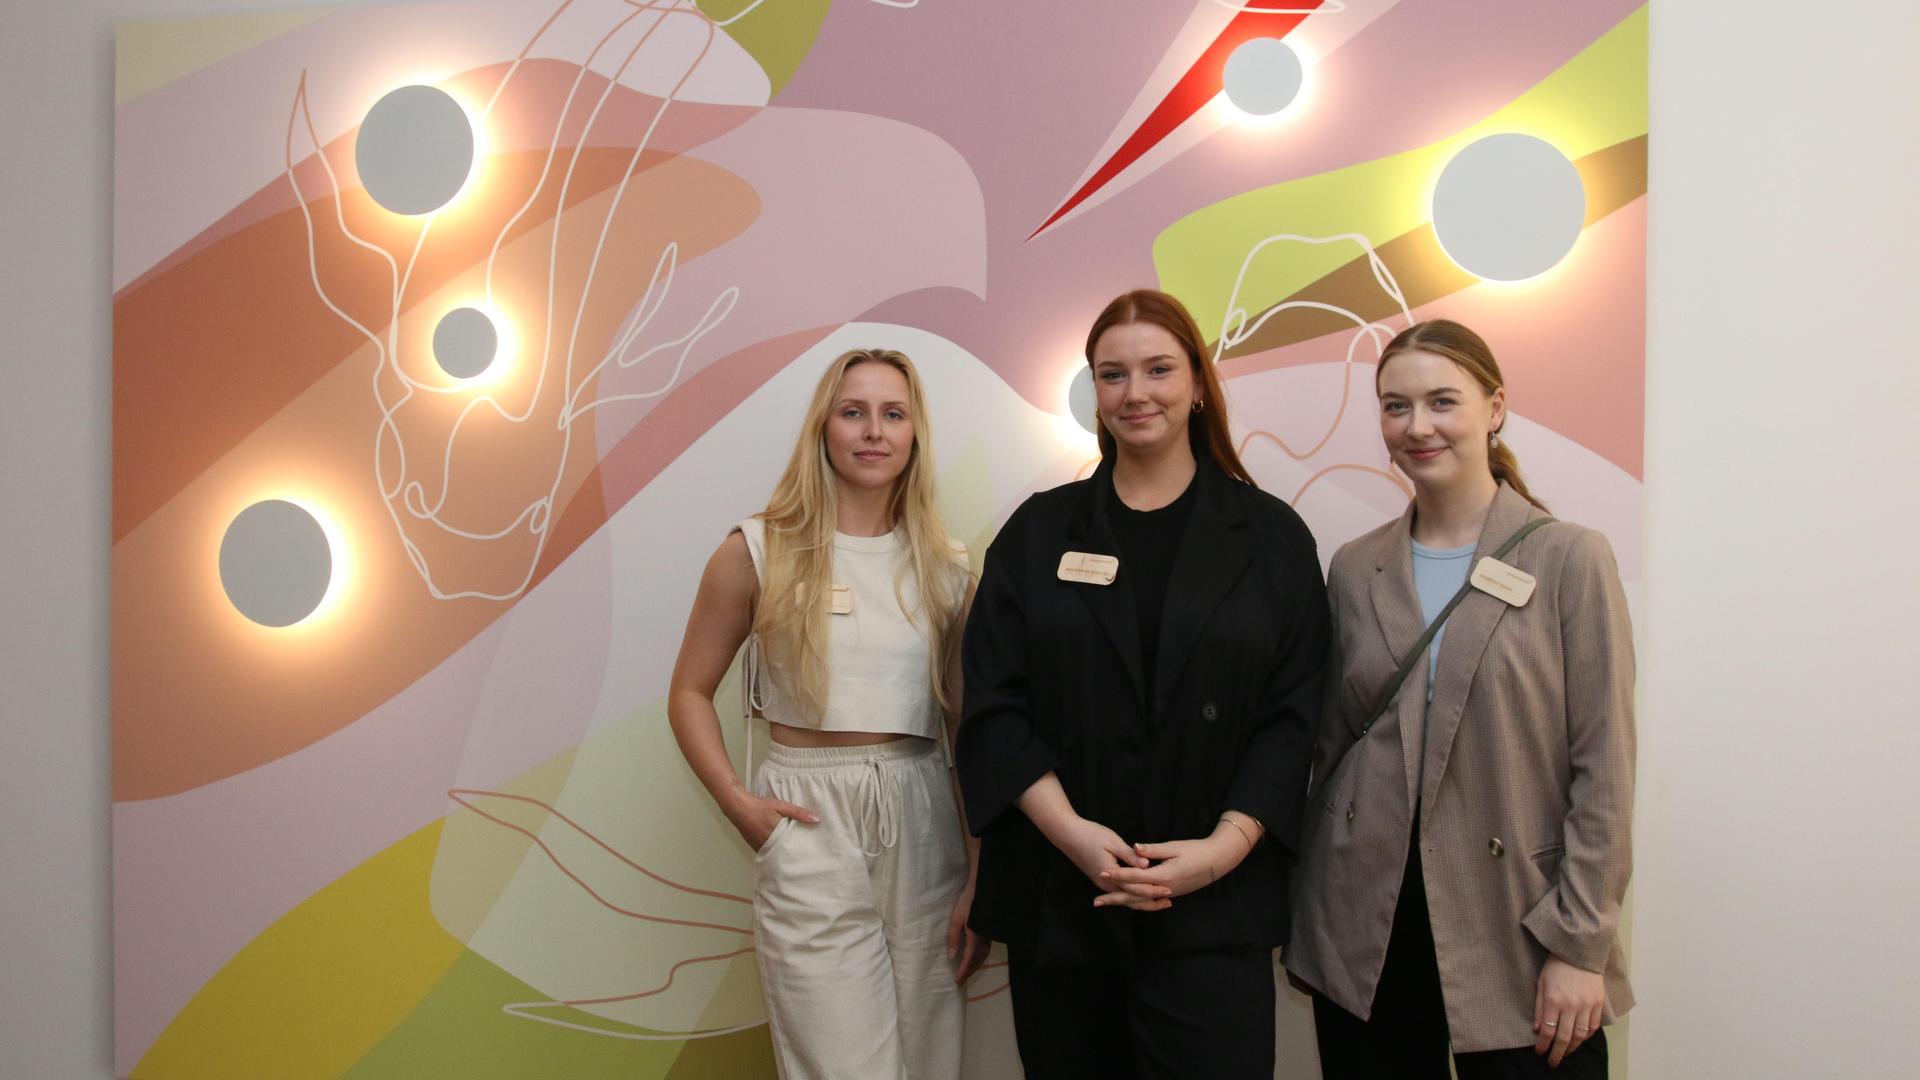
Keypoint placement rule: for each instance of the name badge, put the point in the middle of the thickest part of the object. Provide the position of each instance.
(1088, 569)
(842, 600)
(1497, 579)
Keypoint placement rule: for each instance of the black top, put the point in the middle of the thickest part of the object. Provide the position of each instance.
(1056, 681)
(1149, 543)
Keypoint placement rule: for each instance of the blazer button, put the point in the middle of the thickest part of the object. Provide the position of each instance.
(1209, 713)
(1496, 847)
(1349, 811)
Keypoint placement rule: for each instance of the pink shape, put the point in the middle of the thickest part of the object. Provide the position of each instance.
(832, 240)
(1029, 124)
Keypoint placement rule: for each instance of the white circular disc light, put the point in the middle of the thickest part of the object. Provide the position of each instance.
(1508, 207)
(1263, 76)
(275, 563)
(465, 342)
(414, 150)
(1081, 402)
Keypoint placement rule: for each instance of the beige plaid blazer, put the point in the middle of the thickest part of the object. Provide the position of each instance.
(1526, 793)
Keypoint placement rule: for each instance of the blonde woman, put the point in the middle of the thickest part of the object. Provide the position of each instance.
(849, 595)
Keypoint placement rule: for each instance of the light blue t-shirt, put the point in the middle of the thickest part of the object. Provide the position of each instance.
(1438, 573)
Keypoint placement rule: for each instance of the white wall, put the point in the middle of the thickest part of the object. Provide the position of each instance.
(1777, 882)
(1780, 743)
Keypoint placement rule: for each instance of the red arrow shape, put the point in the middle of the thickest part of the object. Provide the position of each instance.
(1197, 87)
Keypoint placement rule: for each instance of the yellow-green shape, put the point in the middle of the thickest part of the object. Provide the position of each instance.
(967, 502)
(149, 54)
(461, 1031)
(1593, 101)
(778, 33)
(322, 985)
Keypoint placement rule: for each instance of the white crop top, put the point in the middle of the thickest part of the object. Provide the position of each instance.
(877, 677)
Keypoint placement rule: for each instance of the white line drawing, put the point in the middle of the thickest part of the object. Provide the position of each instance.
(1234, 328)
(391, 458)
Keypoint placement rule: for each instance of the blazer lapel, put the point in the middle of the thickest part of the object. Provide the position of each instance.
(1465, 644)
(1396, 604)
(1214, 551)
(1112, 604)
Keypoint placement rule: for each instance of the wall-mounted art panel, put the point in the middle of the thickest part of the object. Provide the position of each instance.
(449, 340)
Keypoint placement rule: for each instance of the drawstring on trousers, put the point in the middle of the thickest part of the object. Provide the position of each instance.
(881, 788)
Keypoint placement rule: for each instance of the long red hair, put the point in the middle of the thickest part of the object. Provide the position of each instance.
(1207, 430)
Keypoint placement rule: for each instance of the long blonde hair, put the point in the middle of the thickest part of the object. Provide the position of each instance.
(790, 618)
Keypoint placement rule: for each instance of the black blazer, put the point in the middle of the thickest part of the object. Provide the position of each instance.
(1054, 684)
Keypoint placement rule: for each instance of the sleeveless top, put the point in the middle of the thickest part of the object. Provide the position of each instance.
(877, 675)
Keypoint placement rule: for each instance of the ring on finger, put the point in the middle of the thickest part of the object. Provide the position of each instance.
(1553, 1023)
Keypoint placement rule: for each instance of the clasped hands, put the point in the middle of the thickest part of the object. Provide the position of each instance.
(1147, 877)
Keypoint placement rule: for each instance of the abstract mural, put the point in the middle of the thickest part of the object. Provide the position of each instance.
(449, 340)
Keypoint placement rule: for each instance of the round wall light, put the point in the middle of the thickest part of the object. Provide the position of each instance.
(1508, 207)
(275, 563)
(1263, 76)
(1081, 401)
(465, 342)
(414, 150)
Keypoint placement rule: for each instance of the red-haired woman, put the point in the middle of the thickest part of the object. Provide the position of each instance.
(1142, 672)
(1462, 879)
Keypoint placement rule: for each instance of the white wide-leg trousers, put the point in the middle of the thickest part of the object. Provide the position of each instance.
(850, 915)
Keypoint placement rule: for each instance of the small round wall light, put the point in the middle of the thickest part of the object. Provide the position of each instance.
(1081, 401)
(1263, 76)
(415, 149)
(1508, 207)
(465, 342)
(275, 563)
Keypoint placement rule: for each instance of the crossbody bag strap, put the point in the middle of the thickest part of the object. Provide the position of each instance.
(1420, 647)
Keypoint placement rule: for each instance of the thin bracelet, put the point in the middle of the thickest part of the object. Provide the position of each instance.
(1238, 829)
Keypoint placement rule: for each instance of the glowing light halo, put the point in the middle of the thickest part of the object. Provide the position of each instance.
(466, 342)
(1264, 77)
(341, 585)
(1080, 399)
(417, 149)
(1508, 207)
(281, 562)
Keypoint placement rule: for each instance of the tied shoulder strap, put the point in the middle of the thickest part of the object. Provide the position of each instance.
(752, 700)
(1420, 647)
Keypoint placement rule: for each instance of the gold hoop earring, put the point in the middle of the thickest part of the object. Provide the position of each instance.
(1199, 405)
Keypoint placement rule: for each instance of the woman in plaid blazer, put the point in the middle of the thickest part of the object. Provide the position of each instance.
(1467, 852)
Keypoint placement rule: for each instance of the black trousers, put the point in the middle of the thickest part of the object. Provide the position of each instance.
(1205, 1016)
(1406, 1038)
